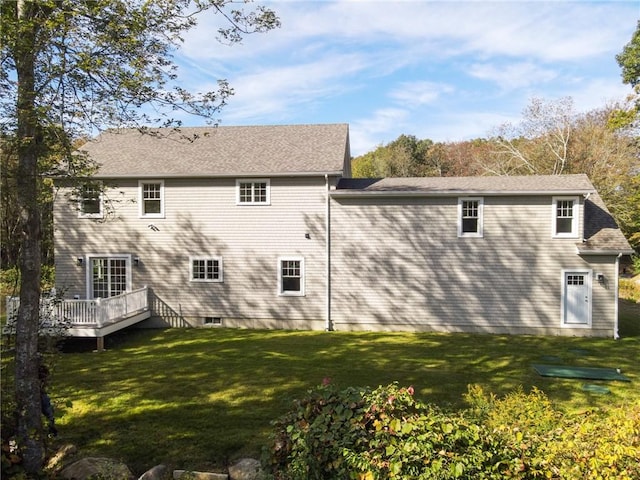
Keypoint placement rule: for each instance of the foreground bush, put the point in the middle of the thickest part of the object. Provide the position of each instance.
(596, 444)
(387, 433)
(379, 434)
(630, 289)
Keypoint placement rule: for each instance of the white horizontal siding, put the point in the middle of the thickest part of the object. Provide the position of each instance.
(202, 218)
(399, 264)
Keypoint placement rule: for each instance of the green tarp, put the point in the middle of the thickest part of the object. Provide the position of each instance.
(598, 389)
(591, 373)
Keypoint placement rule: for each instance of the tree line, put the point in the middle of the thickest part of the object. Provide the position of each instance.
(551, 139)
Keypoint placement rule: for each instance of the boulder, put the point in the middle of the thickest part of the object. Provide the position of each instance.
(246, 469)
(64, 455)
(97, 468)
(190, 475)
(159, 472)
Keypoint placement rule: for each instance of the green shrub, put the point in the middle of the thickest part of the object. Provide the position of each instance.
(380, 434)
(598, 445)
(308, 441)
(525, 421)
(386, 433)
(630, 289)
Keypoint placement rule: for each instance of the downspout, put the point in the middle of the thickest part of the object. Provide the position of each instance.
(327, 229)
(616, 334)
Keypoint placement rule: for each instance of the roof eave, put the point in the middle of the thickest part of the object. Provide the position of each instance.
(331, 173)
(605, 251)
(454, 193)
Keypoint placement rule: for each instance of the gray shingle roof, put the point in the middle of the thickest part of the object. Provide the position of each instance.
(222, 151)
(601, 232)
(531, 184)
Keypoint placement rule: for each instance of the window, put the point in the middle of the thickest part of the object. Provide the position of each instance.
(470, 217)
(565, 217)
(151, 197)
(205, 269)
(90, 201)
(253, 192)
(108, 276)
(291, 276)
(213, 321)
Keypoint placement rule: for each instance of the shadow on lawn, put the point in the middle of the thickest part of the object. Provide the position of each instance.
(199, 397)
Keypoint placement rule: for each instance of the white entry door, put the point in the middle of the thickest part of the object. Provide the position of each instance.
(576, 306)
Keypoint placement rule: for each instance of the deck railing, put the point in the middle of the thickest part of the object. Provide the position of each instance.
(96, 313)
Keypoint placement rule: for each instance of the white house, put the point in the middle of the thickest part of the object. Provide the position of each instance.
(262, 227)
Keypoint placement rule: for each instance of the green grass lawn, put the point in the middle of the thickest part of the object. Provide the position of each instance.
(199, 398)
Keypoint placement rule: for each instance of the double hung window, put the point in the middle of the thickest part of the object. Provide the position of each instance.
(90, 201)
(470, 212)
(565, 217)
(151, 198)
(291, 276)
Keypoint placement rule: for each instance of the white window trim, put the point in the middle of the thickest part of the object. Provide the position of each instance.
(253, 181)
(301, 293)
(589, 280)
(574, 221)
(89, 273)
(220, 278)
(480, 232)
(100, 214)
(141, 199)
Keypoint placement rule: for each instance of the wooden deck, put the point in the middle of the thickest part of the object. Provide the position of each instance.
(88, 318)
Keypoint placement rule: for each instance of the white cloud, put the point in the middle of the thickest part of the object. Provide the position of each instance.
(444, 70)
(279, 90)
(367, 133)
(598, 92)
(545, 30)
(513, 76)
(419, 93)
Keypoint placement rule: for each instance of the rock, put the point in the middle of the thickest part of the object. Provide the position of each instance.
(246, 469)
(62, 456)
(159, 472)
(189, 475)
(95, 468)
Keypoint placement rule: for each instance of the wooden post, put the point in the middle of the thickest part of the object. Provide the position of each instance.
(100, 344)
(99, 314)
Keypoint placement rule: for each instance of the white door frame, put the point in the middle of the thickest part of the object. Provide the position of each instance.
(580, 297)
(88, 258)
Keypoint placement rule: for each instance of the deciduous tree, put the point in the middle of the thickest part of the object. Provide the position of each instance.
(70, 67)
(539, 144)
(629, 59)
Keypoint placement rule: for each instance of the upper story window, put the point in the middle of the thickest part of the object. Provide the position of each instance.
(253, 192)
(205, 269)
(291, 276)
(151, 198)
(91, 201)
(565, 217)
(470, 217)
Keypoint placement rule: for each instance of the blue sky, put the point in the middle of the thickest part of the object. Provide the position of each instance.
(447, 70)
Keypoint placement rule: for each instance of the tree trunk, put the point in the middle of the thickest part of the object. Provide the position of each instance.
(27, 385)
